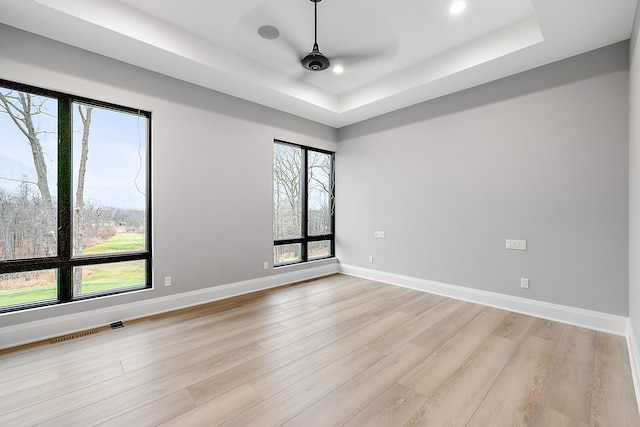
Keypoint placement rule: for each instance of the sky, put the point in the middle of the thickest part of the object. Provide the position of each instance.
(116, 166)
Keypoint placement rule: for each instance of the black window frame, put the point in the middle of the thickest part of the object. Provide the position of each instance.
(64, 261)
(306, 238)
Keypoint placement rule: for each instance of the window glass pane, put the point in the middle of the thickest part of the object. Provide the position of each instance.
(321, 249)
(319, 193)
(285, 254)
(109, 180)
(28, 175)
(102, 278)
(287, 191)
(28, 287)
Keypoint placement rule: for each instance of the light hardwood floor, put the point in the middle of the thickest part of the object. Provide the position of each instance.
(328, 352)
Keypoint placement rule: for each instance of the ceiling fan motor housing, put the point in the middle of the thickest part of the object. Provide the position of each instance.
(315, 60)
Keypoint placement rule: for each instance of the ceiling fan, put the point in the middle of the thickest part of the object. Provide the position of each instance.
(315, 60)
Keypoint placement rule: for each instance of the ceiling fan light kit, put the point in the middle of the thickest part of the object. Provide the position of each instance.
(315, 60)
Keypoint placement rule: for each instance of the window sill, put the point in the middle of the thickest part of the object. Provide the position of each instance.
(312, 263)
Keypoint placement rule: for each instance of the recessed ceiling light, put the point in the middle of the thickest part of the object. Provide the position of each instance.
(338, 69)
(457, 7)
(268, 32)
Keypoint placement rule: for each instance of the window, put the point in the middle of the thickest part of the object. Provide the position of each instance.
(74, 198)
(303, 204)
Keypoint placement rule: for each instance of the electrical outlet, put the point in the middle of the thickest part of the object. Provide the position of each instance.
(371, 258)
(379, 234)
(167, 281)
(519, 245)
(524, 283)
(266, 265)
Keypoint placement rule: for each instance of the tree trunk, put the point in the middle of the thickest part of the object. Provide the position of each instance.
(78, 219)
(21, 110)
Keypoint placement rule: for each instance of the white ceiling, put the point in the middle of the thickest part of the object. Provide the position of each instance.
(406, 51)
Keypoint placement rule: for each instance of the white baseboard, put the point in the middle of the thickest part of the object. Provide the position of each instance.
(594, 320)
(15, 335)
(634, 360)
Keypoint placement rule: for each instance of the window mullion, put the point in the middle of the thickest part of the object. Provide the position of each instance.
(332, 201)
(65, 183)
(305, 189)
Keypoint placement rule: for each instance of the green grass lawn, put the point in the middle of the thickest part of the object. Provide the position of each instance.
(27, 295)
(97, 278)
(122, 242)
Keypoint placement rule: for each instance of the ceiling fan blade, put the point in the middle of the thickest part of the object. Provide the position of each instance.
(291, 45)
(368, 57)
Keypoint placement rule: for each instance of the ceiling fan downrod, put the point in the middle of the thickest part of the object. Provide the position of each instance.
(315, 60)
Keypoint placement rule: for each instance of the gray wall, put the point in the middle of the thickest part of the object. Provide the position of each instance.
(540, 156)
(634, 184)
(212, 161)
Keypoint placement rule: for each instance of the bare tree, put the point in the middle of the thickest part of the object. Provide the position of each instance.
(287, 186)
(7, 220)
(319, 182)
(22, 108)
(78, 220)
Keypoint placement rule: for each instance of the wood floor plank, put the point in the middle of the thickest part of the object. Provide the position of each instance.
(513, 398)
(545, 417)
(569, 385)
(421, 303)
(392, 340)
(514, 327)
(246, 315)
(435, 336)
(84, 354)
(547, 330)
(344, 309)
(392, 408)
(456, 400)
(269, 365)
(612, 368)
(356, 292)
(613, 403)
(342, 322)
(291, 401)
(329, 351)
(345, 402)
(193, 346)
(429, 375)
(149, 415)
(115, 398)
(36, 379)
(612, 412)
(40, 394)
(219, 410)
(301, 368)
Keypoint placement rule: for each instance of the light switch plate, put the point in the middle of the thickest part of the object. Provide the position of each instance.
(519, 245)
